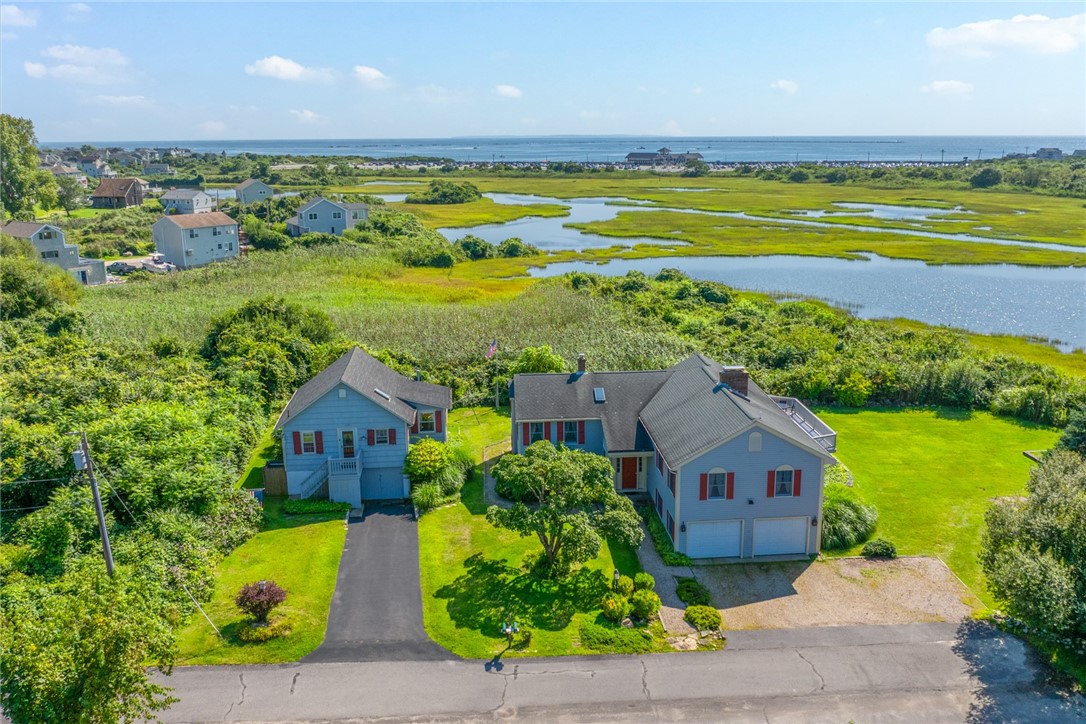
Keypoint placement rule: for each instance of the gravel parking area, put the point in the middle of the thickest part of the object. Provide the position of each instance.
(837, 592)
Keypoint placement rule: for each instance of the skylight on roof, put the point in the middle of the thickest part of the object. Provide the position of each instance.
(598, 394)
(382, 393)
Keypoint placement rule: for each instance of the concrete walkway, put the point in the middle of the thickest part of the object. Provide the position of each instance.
(671, 608)
(376, 612)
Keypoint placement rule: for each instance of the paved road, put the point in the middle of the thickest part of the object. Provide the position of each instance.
(914, 673)
(376, 612)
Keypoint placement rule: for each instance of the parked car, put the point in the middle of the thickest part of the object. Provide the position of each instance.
(120, 268)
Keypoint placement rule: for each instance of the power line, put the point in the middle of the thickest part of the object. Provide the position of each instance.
(37, 480)
(29, 507)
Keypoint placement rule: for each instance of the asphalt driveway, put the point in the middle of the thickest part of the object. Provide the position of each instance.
(376, 612)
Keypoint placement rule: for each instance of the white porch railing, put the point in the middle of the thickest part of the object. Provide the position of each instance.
(344, 466)
(313, 482)
(807, 421)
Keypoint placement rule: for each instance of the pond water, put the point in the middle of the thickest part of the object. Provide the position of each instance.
(885, 211)
(1039, 302)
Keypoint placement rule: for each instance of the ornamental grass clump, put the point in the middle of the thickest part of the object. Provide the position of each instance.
(259, 598)
(846, 520)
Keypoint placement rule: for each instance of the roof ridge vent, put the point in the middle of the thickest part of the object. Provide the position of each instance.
(381, 393)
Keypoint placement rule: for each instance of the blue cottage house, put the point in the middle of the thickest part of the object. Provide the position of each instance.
(346, 432)
(731, 471)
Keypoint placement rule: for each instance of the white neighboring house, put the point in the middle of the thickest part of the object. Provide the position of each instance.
(187, 201)
(322, 216)
(190, 240)
(54, 249)
(158, 169)
(251, 191)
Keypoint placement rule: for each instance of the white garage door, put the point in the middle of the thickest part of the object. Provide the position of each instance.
(714, 539)
(780, 536)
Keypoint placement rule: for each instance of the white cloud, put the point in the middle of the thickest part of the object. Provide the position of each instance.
(788, 86)
(77, 12)
(14, 16)
(275, 66)
(123, 101)
(371, 77)
(1031, 33)
(507, 91)
(306, 116)
(947, 88)
(590, 115)
(212, 127)
(81, 64)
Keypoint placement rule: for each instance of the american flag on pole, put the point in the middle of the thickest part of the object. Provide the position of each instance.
(492, 349)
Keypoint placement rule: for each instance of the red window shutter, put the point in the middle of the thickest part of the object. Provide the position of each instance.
(729, 491)
(371, 439)
(297, 437)
(415, 424)
(703, 491)
(319, 440)
(526, 438)
(547, 431)
(439, 425)
(770, 481)
(391, 436)
(580, 432)
(796, 476)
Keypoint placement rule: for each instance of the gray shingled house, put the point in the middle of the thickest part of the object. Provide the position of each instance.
(53, 248)
(731, 471)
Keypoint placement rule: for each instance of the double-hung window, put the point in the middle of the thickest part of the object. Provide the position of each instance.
(569, 432)
(309, 442)
(337, 214)
(380, 436)
(718, 485)
(535, 431)
(783, 487)
(671, 476)
(312, 216)
(426, 422)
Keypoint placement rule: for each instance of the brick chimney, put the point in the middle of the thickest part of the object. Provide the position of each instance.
(735, 378)
(580, 363)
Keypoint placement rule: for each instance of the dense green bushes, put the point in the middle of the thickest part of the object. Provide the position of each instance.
(310, 506)
(437, 471)
(703, 618)
(661, 540)
(446, 192)
(879, 548)
(846, 520)
(692, 592)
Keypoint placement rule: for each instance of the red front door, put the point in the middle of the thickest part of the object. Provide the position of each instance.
(629, 473)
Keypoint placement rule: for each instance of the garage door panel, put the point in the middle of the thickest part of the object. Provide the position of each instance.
(714, 539)
(780, 536)
(382, 484)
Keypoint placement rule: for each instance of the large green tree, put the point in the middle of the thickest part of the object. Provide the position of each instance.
(1034, 551)
(76, 650)
(567, 499)
(70, 194)
(22, 184)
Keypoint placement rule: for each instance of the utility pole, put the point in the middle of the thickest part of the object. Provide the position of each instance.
(82, 459)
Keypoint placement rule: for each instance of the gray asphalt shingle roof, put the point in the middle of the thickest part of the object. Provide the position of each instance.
(181, 194)
(365, 375)
(21, 229)
(684, 408)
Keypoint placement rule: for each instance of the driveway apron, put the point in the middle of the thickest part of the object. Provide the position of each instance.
(376, 612)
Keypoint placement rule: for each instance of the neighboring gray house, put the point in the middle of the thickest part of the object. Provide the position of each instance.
(51, 245)
(252, 191)
(186, 201)
(346, 432)
(731, 471)
(320, 215)
(1050, 154)
(158, 169)
(188, 240)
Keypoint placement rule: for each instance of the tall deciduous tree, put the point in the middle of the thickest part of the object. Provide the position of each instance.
(1034, 551)
(70, 194)
(22, 184)
(572, 503)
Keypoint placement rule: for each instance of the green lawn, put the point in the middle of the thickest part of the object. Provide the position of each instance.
(479, 429)
(266, 450)
(932, 473)
(300, 553)
(473, 580)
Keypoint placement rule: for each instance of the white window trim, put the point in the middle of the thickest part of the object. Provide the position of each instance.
(565, 432)
(425, 426)
(354, 438)
(723, 485)
(754, 442)
(777, 483)
(532, 427)
(313, 441)
(378, 433)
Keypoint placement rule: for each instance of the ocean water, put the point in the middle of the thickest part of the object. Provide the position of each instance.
(614, 148)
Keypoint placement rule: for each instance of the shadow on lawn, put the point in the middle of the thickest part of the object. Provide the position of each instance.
(491, 592)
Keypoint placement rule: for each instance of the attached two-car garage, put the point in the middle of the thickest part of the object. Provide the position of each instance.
(724, 538)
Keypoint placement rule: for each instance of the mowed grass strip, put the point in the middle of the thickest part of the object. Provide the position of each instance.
(301, 553)
(933, 473)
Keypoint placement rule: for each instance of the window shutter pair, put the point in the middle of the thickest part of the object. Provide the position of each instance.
(797, 481)
(318, 441)
(580, 432)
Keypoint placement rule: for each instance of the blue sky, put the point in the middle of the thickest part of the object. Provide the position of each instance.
(161, 71)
